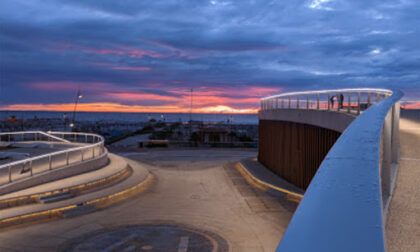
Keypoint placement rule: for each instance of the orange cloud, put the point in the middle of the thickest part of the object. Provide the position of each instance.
(140, 97)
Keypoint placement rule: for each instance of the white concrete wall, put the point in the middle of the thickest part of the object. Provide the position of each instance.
(337, 121)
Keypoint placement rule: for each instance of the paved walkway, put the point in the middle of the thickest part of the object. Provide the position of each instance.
(403, 223)
(196, 188)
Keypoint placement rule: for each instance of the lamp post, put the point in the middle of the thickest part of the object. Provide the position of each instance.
(78, 97)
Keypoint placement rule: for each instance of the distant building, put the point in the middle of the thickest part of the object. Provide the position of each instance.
(214, 135)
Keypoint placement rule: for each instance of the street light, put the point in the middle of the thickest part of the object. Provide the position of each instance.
(78, 97)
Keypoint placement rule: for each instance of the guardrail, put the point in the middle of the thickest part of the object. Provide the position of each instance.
(20, 169)
(352, 100)
(345, 206)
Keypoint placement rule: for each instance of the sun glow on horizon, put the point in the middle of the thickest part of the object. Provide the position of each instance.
(116, 107)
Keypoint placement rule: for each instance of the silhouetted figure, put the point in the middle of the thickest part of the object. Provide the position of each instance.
(332, 101)
(341, 100)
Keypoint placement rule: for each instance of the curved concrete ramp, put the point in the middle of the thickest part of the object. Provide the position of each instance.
(92, 199)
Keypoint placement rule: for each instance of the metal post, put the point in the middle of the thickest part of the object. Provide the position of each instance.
(30, 166)
(23, 137)
(93, 152)
(277, 103)
(67, 158)
(85, 138)
(307, 101)
(81, 153)
(378, 97)
(74, 137)
(10, 173)
(329, 104)
(297, 102)
(49, 162)
(386, 157)
(282, 103)
(358, 103)
(339, 101)
(348, 102)
(368, 105)
(317, 101)
(289, 102)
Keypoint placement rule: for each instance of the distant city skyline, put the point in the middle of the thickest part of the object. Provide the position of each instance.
(145, 56)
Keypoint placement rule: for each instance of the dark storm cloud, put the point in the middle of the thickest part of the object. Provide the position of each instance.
(158, 47)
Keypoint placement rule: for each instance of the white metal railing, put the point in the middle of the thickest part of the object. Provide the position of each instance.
(92, 147)
(351, 100)
(345, 206)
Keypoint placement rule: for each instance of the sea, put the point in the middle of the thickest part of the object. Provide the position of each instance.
(134, 117)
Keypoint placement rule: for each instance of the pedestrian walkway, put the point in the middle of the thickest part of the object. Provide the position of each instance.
(403, 223)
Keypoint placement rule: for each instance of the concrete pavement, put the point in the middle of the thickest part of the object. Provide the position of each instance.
(403, 223)
(197, 188)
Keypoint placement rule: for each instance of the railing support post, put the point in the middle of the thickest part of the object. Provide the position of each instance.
(10, 173)
(348, 102)
(297, 102)
(49, 162)
(277, 103)
(317, 101)
(307, 101)
(386, 158)
(81, 154)
(289, 101)
(282, 103)
(329, 104)
(395, 142)
(30, 167)
(67, 158)
(358, 103)
(368, 102)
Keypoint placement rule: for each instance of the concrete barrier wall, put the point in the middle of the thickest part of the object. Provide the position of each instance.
(337, 121)
(56, 174)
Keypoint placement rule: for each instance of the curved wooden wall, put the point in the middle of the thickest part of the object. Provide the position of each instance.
(294, 151)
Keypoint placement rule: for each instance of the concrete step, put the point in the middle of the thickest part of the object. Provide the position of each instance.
(139, 180)
(116, 171)
(55, 197)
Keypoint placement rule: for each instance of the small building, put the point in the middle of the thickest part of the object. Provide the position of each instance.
(214, 135)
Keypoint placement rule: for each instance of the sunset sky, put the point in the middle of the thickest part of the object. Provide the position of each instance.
(145, 56)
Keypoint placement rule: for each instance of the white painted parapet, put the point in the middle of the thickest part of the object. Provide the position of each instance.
(86, 152)
(344, 208)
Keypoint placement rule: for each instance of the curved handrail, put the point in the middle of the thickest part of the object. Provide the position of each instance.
(324, 99)
(32, 132)
(97, 142)
(345, 205)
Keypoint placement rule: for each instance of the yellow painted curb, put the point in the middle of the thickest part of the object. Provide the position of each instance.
(77, 190)
(297, 197)
(99, 203)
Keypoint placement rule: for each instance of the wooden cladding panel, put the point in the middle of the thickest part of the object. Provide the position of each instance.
(294, 151)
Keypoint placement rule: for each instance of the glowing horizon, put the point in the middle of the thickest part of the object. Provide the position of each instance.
(115, 107)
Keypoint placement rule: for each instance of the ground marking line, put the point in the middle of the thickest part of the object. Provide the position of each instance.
(410, 159)
(183, 244)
